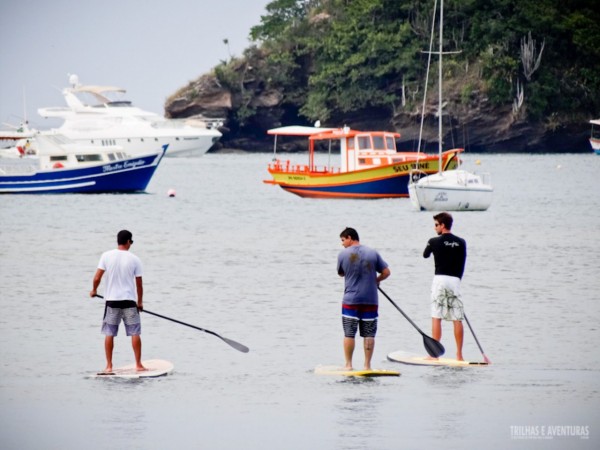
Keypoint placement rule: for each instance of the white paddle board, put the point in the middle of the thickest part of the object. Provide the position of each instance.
(417, 360)
(341, 371)
(155, 368)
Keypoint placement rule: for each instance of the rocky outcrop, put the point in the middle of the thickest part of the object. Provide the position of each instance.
(473, 124)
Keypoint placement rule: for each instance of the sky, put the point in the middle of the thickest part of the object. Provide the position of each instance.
(151, 48)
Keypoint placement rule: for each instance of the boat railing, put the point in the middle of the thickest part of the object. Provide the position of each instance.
(287, 166)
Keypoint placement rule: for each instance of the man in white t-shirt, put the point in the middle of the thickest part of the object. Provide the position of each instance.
(123, 285)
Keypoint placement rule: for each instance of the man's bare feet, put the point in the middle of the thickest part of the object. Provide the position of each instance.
(140, 368)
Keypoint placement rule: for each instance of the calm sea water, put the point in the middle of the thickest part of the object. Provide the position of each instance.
(257, 265)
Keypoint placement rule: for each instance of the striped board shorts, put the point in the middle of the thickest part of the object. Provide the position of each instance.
(359, 317)
(121, 311)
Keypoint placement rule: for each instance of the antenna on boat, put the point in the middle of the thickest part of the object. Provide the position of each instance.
(73, 80)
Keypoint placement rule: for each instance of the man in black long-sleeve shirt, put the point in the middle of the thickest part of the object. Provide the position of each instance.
(450, 254)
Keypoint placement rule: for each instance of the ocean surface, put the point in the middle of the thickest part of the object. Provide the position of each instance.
(257, 265)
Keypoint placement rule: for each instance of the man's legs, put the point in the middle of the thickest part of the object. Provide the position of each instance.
(136, 343)
(369, 349)
(109, 344)
(436, 328)
(348, 351)
(436, 331)
(458, 335)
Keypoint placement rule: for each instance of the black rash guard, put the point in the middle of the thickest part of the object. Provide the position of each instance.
(449, 253)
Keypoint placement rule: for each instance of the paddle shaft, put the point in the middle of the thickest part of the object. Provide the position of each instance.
(485, 358)
(242, 348)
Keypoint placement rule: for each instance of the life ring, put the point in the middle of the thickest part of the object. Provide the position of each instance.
(57, 165)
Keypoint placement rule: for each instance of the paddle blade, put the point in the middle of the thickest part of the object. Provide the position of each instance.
(242, 348)
(433, 347)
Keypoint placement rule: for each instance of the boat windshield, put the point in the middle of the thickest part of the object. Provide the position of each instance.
(376, 142)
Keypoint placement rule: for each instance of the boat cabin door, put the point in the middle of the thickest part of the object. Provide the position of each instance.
(348, 152)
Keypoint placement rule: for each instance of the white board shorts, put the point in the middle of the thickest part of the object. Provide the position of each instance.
(446, 301)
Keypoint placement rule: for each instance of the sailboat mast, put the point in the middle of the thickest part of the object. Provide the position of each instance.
(440, 89)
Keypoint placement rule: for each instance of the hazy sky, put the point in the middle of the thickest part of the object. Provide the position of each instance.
(148, 47)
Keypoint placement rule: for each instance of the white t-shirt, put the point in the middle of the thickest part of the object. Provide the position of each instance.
(121, 267)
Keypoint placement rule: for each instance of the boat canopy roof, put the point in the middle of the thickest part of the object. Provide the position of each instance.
(297, 130)
(318, 134)
(98, 90)
(595, 122)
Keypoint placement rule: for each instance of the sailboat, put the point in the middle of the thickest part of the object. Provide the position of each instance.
(451, 190)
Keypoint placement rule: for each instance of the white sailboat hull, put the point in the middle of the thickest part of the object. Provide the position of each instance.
(453, 190)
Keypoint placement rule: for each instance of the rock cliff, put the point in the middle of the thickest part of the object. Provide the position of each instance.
(471, 123)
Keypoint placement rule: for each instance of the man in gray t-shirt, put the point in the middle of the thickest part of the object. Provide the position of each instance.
(363, 269)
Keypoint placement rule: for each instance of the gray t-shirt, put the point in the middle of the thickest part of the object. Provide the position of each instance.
(360, 265)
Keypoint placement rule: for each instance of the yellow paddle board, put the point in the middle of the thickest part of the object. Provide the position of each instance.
(416, 360)
(341, 371)
(155, 368)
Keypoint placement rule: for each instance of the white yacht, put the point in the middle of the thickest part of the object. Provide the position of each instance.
(99, 116)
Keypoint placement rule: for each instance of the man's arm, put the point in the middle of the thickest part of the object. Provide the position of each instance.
(140, 293)
(428, 250)
(96, 282)
(383, 275)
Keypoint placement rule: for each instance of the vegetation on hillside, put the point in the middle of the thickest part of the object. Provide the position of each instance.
(334, 57)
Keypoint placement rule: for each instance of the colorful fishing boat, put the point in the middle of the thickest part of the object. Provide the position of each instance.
(370, 166)
(48, 164)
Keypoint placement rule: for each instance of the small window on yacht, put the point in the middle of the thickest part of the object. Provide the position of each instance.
(362, 161)
(156, 139)
(350, 143)
(88, 158)
(111, 157)
(128, 140)
(142, 139)
(58, 158)
(176, 138)
(378, 143)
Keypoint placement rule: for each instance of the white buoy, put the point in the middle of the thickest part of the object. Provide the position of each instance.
(171, 192)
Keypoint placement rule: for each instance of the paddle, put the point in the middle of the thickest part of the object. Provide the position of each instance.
(433, 347)
(485, 358)
(242, 348)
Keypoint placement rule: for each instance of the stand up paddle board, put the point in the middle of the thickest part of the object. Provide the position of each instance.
(156, 368)
(416, 360)
(336, 370)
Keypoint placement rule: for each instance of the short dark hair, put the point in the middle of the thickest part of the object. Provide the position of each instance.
(351, 233)
(444, 218)
(123, 237)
